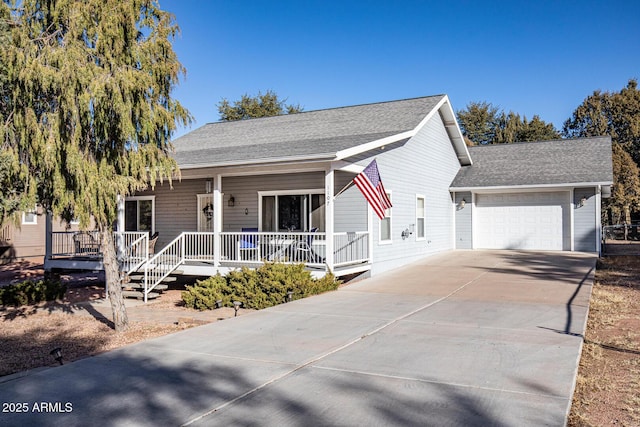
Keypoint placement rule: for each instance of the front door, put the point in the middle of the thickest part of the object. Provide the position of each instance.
(205, 212)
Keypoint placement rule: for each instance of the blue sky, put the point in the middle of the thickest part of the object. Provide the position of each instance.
(531, 57)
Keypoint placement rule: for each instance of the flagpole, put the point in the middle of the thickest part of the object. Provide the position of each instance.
(344, 189)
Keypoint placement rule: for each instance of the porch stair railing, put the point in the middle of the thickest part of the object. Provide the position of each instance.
(162, 264)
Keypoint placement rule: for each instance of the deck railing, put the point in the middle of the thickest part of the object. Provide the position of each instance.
(231, 250)
(350, 248)
(75, 244)
(6, 234)
(286, 247)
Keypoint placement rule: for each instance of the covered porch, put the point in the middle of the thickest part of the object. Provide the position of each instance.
(213, 221)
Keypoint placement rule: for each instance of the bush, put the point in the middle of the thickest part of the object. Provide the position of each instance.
(31, 292)
(204, 293)
(258, 288)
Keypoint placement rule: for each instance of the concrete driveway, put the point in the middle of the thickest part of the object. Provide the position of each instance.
(462, 338)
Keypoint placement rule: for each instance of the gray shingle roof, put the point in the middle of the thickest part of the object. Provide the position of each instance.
(572, 161)
(313, 134)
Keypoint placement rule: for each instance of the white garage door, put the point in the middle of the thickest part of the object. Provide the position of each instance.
(521, 220)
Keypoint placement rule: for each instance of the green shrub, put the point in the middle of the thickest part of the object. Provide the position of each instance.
(31, 292)
(204, 293)
(259, 288)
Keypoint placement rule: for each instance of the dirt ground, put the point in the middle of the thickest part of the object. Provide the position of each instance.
(608, 384)
(29, 333)
(607, 389)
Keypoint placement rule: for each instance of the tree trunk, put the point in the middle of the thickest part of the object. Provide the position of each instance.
(113, 283)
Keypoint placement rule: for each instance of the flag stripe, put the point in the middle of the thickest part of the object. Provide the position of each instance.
(370, 185)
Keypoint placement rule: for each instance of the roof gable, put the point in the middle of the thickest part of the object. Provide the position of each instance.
(312, 135)
(558, 162)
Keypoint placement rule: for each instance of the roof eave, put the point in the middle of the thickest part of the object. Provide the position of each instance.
(530, 186)
(264, 161)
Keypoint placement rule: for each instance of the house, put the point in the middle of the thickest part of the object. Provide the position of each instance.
(278, 188)
(26, 240)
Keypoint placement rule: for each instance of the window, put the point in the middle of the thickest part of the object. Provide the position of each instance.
(292, 212)
(385, 225)
(30, 217)
(205, 212)
(420, 223)
(139, 214)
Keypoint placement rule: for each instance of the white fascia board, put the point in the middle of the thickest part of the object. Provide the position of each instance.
(274, 160)
(526, 187)
(363, 148)
(453, 129)
(343, 166)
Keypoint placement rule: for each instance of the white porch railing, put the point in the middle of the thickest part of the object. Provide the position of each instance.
(256, 247)
(132, 249)
(234, 249)
(350, 248)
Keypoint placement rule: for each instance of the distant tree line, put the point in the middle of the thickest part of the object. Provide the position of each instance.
(616, 114)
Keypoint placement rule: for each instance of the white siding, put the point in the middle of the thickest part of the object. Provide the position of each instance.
(585, 220)
(463, 220)
(425, 165)
(350, 210)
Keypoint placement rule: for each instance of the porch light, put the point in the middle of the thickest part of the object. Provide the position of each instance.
(236, 307)
(57, 354)
(232, 201)
(583, 201)
(461, 204)
(208, 186)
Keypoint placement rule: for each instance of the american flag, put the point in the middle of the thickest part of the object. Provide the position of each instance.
(369, 183)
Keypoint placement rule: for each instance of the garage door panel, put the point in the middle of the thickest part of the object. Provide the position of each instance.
(521, 220)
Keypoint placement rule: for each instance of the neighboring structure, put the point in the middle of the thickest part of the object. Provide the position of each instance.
(26, 240)
(274, 188)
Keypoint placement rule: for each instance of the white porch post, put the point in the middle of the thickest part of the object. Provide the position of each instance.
(217, 218)
(328, 226)
(48, 242)
(120, 224)
(120, 219)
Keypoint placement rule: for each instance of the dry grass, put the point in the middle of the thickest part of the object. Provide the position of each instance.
(608, 384)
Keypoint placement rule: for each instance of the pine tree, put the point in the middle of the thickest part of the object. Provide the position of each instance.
(90, 113)
(261, 105)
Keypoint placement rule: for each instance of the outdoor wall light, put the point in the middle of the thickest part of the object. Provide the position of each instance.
(461, 204)
(246, 211)
(236, 307)
(583, 201)
(57, 354)
(232, 201)
(208, 186)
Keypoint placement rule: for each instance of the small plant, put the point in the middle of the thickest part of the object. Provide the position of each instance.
(258, 288)
(204, 293)
(31, 292)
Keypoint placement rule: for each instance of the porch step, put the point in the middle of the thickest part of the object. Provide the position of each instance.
(135, 286)
(140, 277)
(139, 294)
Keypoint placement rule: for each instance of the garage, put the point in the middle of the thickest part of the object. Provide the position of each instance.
(525, 220)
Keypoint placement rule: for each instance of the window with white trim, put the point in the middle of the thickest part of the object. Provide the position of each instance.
(300, 210)
(385, 225)
(139, 213)
(30, 217)
(420, 217)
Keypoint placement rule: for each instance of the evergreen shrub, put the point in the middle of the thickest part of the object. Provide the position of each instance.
(259, 288)
(31, 292)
